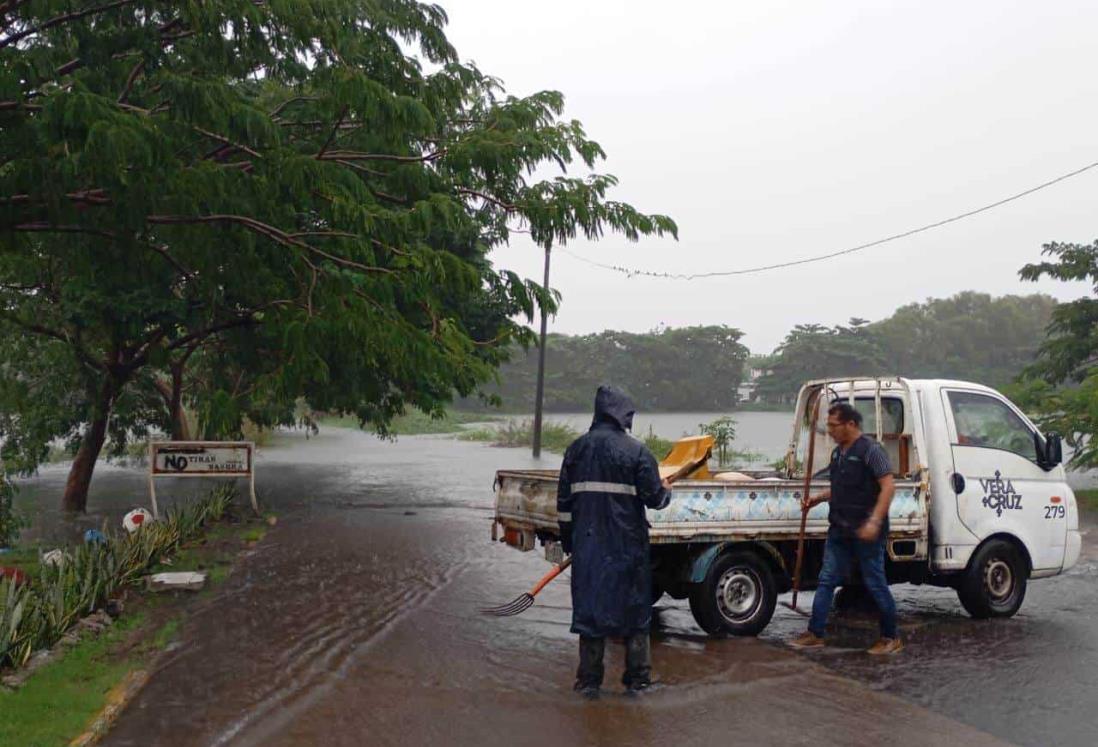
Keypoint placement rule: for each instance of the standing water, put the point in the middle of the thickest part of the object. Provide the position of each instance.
(356, 622)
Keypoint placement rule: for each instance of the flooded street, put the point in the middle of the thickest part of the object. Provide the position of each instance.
(355, 622)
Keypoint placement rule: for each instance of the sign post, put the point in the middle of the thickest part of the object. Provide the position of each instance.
(201, 459)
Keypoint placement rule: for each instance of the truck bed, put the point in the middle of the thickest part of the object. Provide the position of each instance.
(710, 510)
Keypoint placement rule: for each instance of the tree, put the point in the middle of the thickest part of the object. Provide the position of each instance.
(813, 351)
(970, 336)
(304, 194)
(686, 368)
(1061, 387)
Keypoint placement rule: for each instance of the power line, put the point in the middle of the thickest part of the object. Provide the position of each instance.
(819, 258)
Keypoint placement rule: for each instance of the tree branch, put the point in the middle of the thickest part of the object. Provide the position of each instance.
(58, 20)
(278, 109)
(15, 105)
(225, 141)
(213, 329)
(130, 80)
(64, 337)
(264, 229)
(488, 198)
(361, 168)
(350, 155)
(43, 227)
(93, 196)
(335, 130)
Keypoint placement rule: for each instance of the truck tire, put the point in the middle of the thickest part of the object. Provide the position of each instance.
(737, 596)
(994, 584)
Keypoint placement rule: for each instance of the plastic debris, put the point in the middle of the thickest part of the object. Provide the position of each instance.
(94, 537)
(55, 558)
(15, 575)
(184, 580)
(134, 519)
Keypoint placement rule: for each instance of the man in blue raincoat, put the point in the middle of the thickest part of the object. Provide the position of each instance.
(606, 481)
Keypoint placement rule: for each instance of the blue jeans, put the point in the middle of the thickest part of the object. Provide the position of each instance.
(839, 553)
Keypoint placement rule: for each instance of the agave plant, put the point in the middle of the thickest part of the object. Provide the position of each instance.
(21, 625)
(35, 616)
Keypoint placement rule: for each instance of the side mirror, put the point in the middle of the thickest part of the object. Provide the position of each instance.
(1050, 452)
(1054, 449)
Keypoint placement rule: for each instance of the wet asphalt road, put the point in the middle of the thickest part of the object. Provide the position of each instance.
(355, 623)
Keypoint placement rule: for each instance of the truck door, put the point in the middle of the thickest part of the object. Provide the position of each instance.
(999, 485)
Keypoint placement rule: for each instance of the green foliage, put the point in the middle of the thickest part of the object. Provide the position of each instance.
(723, 431)
(234, 206)
(1070, 350)
(415, 423)
(36, 615)
(969, 336)
(554, 436)
(689, 368)
(1088, 499)
(660, 447)
(57, 703)
(9, 520)
(812, 351)
(1060, 388)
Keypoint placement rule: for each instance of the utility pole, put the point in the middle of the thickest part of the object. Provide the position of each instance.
(541, 365)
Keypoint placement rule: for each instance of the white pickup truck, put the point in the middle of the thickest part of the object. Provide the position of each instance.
(982, 506)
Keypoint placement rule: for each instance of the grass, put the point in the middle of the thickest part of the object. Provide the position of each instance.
(25, 559)
(57, 702)
(1087, 499)
(416, 423)
(660, 447)
(554, 436)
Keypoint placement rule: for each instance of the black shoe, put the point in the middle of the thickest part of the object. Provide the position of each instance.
(639, 688)
(588, 692)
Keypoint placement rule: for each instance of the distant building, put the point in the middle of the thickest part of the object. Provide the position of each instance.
(746, 390)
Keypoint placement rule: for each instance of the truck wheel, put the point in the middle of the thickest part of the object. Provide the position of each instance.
(994, 584)
(737, 596)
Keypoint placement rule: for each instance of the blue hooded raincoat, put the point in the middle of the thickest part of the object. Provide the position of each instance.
(606, 481)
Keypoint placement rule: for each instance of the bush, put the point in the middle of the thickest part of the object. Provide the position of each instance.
(723, 431)
(34, 616)
(9, 521)
(554, 436)
(659, 446)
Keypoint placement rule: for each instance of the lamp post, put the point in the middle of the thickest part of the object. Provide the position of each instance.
(541, 366)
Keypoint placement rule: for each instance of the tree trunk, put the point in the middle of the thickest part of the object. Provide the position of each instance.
(80, 474)
(173, 400)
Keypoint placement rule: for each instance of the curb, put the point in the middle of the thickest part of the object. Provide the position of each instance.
(117, 699)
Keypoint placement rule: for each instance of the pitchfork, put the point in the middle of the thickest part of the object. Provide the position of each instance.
(524, 601)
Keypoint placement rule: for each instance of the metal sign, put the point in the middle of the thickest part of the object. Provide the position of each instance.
(218, 458)
(201, 459)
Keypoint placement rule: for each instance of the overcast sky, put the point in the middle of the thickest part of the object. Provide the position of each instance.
(776, 130)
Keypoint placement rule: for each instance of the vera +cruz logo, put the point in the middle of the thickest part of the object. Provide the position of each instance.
(999, 494)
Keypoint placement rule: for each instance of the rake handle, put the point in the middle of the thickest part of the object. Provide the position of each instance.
(550, 576)
(804, 497)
